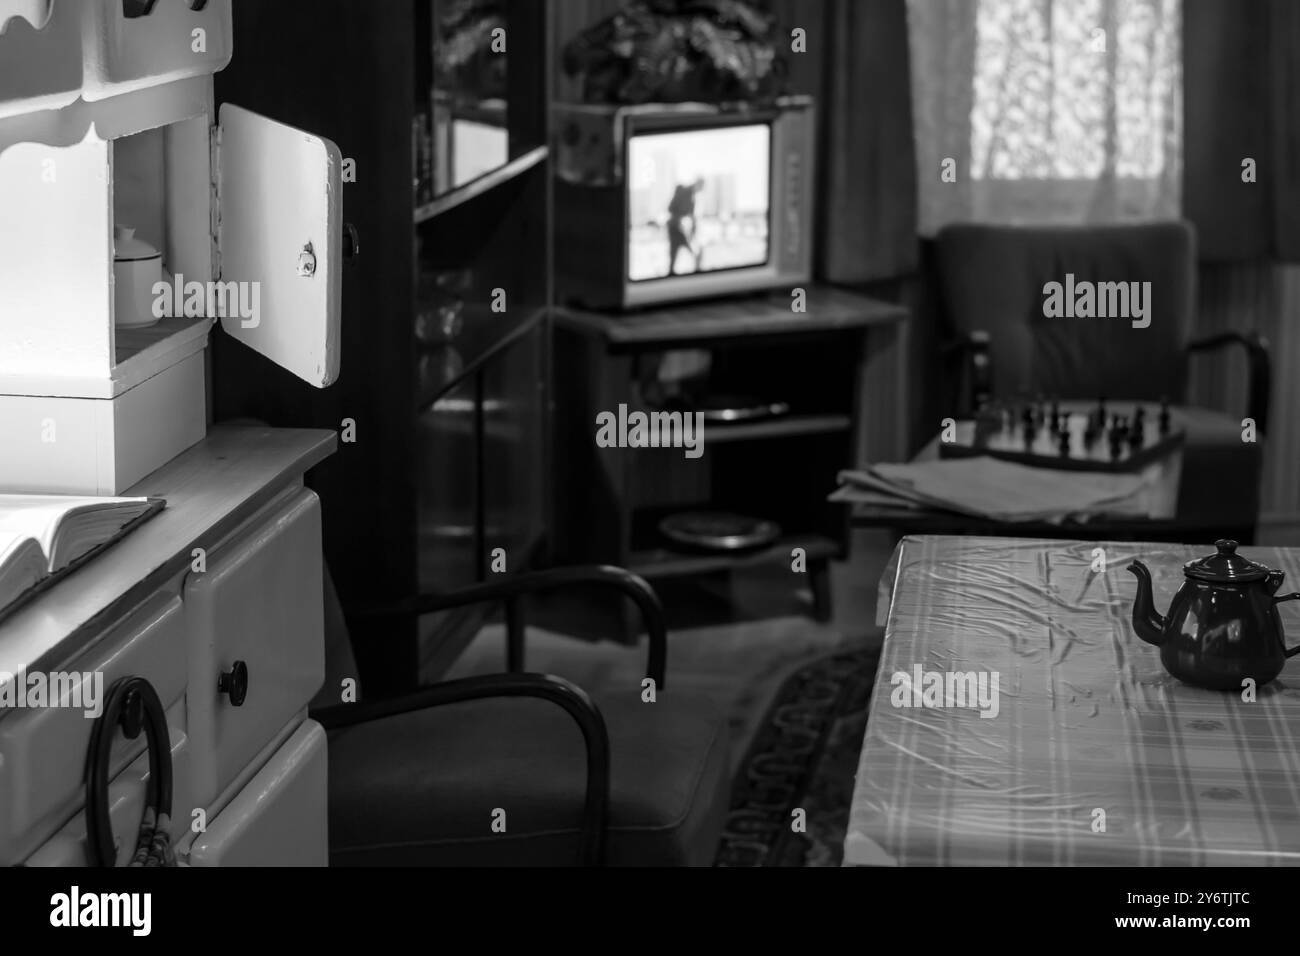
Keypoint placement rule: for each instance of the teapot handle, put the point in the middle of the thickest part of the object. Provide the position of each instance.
(1289, 597)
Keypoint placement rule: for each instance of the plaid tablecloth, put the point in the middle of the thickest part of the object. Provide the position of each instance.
(1093, 754)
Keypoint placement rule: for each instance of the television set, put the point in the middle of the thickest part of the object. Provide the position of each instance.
(662, 203)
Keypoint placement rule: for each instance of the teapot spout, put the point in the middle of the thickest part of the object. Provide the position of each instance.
(1150, 625)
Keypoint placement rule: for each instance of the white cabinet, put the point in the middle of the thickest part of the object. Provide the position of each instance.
(53, 51)
(43, 749)
(279, 818)
(255, 619)
(245, 213)
(249, 781)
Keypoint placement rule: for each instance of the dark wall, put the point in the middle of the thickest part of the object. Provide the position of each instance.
(343, 69)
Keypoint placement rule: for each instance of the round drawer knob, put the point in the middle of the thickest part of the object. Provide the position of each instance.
(234, 683)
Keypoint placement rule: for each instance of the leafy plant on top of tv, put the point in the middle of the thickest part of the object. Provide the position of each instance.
(463, 57)
(673, 51)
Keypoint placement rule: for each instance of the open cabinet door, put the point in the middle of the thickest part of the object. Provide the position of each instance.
(279, 202)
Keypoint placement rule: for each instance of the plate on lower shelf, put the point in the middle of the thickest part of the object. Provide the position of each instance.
(718, 531)
(730, 408)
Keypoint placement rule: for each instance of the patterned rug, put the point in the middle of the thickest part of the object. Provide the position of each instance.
(803, 757)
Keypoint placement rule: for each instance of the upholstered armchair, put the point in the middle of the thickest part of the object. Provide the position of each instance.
(991, 291)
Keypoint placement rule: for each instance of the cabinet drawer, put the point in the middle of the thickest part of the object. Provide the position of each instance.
(259, 604)
(279, 818)
(43, 749)
(125, 806)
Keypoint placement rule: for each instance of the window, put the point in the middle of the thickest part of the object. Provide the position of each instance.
(1047, 111)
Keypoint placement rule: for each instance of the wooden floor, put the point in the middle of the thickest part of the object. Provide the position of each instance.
(733, 641)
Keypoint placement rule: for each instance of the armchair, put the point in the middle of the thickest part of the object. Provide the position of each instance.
(485, 771)
(991, 291)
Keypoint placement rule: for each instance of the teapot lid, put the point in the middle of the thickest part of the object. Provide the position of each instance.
(1226, 566)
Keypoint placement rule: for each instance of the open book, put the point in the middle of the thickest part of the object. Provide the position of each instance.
(44, 536)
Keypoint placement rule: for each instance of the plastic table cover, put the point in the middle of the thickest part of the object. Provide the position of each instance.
(1089, 753)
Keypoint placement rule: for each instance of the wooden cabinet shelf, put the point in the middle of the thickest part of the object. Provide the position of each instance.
(442, 368)
(785, 426)
(478, 187)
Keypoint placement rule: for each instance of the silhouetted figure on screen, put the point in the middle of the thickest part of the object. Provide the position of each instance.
(681, 225)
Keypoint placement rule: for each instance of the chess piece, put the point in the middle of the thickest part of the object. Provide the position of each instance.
(1136, 434)
(1101, 412)
(1164, 417)
(1063, 443)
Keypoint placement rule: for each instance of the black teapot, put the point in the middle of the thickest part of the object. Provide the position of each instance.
(1222, 625)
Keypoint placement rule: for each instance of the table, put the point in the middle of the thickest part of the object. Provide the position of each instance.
(1167, 521)
(1087, 722)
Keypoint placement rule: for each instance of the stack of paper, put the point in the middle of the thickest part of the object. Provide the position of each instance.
(991, 488)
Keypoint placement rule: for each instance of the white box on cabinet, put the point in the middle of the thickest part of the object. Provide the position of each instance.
(101, 446)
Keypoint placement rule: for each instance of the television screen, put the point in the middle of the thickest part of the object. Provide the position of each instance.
(698, 200)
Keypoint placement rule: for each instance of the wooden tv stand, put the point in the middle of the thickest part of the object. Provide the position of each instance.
(609, 500)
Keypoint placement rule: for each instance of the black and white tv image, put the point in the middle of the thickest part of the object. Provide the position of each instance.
(698, 201)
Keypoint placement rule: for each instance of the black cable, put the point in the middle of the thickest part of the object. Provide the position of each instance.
(133, 705)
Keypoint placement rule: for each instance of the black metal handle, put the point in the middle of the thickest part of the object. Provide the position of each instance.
(351, 241)
(132, 704)
(234, 683)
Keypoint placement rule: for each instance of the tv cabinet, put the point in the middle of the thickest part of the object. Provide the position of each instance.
(609, 500)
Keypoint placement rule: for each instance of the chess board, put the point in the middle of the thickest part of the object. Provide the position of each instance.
(1067, 436)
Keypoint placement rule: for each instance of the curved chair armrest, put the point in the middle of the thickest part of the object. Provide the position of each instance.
(1261, 369)
(572, 699)
(631, 585)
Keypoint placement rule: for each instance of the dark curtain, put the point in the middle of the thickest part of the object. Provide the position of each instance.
(857, 67)
(1241, 95)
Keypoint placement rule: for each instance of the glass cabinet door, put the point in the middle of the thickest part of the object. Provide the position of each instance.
(514, 469)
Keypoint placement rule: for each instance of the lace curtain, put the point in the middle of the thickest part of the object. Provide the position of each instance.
(1046, 111)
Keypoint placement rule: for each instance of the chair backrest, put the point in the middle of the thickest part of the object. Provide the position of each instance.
(340, 663)
(993, 278)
